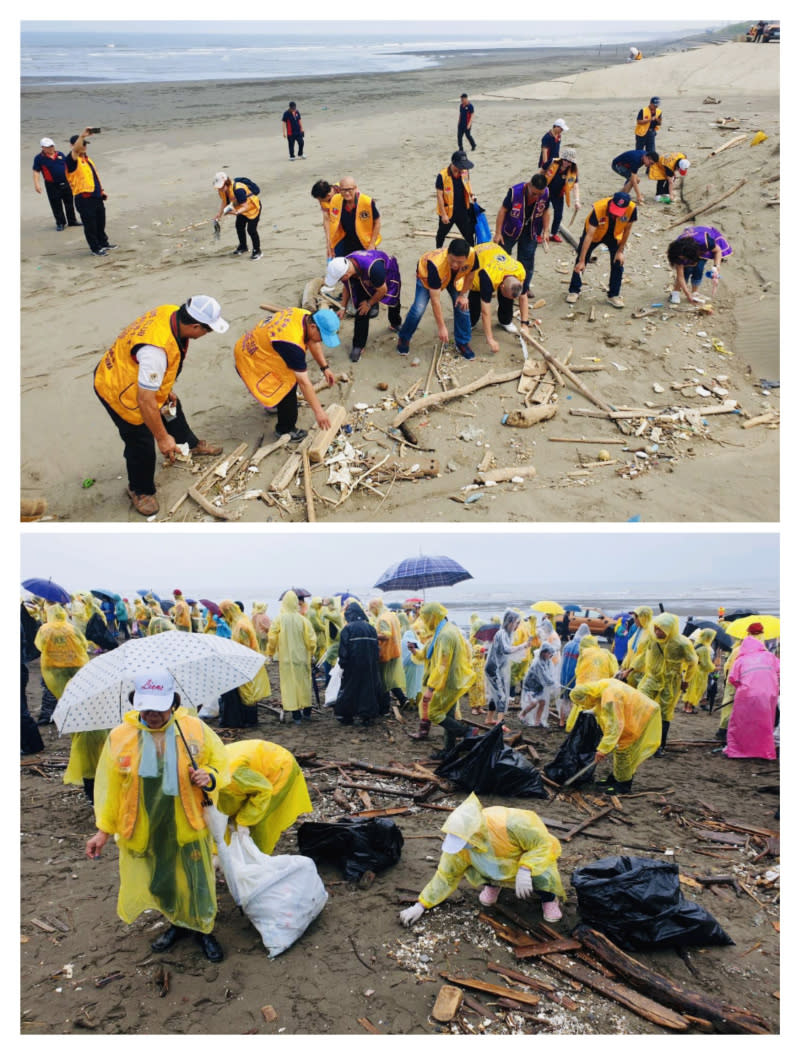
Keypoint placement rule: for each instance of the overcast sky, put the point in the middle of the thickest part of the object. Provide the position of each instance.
(267, 562)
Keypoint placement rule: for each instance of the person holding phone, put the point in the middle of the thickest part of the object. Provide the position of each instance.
(88, 193)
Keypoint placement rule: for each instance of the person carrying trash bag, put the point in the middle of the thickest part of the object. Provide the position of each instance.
(494, 847)
(670, 663)
(156, 770)
(448, 675)
(594, 662)
(267, 790)
(631, 724)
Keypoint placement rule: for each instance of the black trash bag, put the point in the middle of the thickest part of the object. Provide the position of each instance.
(577, 751)
(485, 764)
(354, 845)
(97, 632)
(637, 903)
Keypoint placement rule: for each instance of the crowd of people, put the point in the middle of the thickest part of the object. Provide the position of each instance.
(149, 777)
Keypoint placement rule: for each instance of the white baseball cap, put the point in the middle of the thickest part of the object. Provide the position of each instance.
(220, 180)
(336, 268)
(684, 164)
(207, 310)
(46, 142)
(561, 123)
(153, 691)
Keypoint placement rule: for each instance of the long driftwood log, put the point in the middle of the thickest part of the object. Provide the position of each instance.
(705, 208)
(724, 1017)
(564, 369)
(437, 398)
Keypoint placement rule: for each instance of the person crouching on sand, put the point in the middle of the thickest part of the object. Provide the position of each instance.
(494, 847)
(450, 269)
(688, 255)
(368, 278)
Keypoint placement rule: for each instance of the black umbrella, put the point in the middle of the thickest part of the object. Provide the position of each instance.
(721, 639)
(106, 595)
(301, 593)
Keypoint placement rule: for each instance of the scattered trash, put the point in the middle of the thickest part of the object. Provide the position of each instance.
(88, 482)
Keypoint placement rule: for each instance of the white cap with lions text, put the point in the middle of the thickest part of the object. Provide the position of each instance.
(207, 310)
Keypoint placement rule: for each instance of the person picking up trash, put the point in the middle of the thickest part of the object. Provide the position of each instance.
(631, 724)
(494, 847)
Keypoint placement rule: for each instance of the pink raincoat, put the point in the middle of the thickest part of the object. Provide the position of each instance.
(754, 675)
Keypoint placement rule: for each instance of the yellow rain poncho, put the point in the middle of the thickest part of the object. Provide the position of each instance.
(63, 650)
(243, 632)
(314, 617)
(448, 670)
(698, 683)
(500, 841)
(267, 790)
(261, 624)
(333, 620)
(292, 637)
(665, 662)
(477, 692)
(390, 663)
(594, 662)
(84, 754)
(475, 622)
(159, 624)
(165, 848)
(141, 615)
(181, 614)
(631, 722)
(637, 644)
(525, 630)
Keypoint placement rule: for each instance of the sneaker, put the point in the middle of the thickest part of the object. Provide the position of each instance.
(509, 327)
(551, 911)
(538, 239)
(616, 302)
(60, 226)
(111, 245)
(302, 157)
(403, 347)
(99, 252)
(256, 254)
(465, 351)
(355, 354)
(291, 159)
(373, 311)
(296, 435)
(489, 895)
(74, 225)
(239, 251)
(556, 238)
(572, 298)
(674, 297)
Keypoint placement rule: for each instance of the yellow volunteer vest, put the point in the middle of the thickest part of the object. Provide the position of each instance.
(81, 181)
(364, 222)
(601, 212)
(643, 126)
(658, 170)
(252, 205)
(448, 189)
(123, 744)
(261, 368)
(497, 263)
(569, 180)
(116, 378)
(441, 262)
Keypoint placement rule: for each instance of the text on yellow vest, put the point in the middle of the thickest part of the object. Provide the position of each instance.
(252, 204)
(498, 265)
(261, 368)
(364, 219)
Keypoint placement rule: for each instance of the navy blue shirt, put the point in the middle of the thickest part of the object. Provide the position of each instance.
(553, 147)
(292, 354)
(632, 160)
(54, 169)
(293, 121)
(465, 112)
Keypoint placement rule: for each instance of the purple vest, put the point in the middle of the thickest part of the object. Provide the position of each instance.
(515, 217)
(360, 286)
(699, 235)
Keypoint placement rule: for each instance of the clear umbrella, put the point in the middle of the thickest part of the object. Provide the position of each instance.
(203, 666)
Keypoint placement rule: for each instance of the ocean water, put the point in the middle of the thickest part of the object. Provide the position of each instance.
(112, 56)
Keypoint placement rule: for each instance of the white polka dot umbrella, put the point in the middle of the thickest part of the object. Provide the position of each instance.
(202, 665)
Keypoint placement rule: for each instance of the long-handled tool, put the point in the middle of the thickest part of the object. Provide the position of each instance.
(206, 800)
(580, 773)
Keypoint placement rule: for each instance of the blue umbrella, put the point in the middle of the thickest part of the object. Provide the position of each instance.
(47, 590)
(106, 595)
(420, 573)
(572, 608)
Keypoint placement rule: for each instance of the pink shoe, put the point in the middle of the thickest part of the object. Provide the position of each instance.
(551, 910)
(490, 894)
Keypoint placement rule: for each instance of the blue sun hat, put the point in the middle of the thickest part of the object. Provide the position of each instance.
(328, 323)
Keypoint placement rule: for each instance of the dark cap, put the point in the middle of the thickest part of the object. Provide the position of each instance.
(461, 160)
(73, 140)
(656, 100)
(619, 203)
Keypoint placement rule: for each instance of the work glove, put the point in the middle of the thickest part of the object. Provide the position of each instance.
(412, 914)
(228, 209)
(524, 884)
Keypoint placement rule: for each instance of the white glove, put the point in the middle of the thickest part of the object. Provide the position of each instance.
(412, 914)
(227, 209)
(524, 885)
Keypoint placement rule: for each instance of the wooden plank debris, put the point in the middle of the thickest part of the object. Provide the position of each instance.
(320, 441)
(489, 987)
(448, 1003)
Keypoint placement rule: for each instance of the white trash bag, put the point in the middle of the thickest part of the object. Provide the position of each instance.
(279, 895)
(333, 686)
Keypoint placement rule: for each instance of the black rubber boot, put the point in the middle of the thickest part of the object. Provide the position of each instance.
(88, 790)
(664, 732)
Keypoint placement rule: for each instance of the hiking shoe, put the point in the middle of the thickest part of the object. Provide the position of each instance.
(147, 505)
(403, 347)
(355, 354)
(256, 254)
(572, 298)
(465, 351)
(551, 911)
(239, 251)
(556, 238)
(489, 895)
(204, 448)
(509, 327)
(616, 302)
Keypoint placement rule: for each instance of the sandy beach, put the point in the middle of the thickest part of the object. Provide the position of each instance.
(84, 972)
(157, 154)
